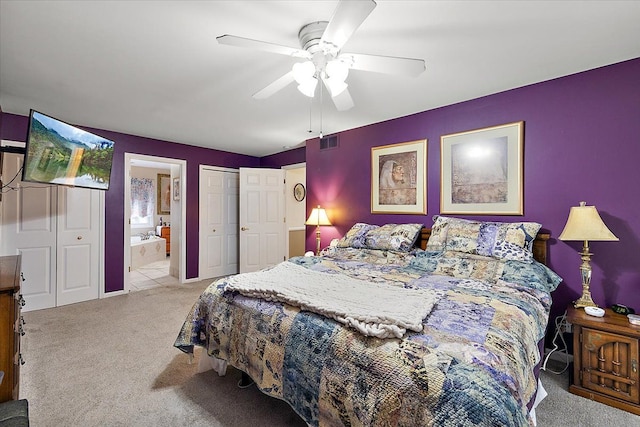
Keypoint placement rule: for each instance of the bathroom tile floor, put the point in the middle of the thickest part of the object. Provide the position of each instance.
(151, 275)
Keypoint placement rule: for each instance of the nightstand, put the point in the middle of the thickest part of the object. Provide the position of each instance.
(605, 359)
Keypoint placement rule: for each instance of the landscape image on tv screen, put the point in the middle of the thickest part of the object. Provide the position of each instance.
(58, 153)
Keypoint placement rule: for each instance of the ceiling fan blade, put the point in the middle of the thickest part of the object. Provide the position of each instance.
(260, 45)
(385, 64)
(346, 19)
(274, 87)
(343, 100)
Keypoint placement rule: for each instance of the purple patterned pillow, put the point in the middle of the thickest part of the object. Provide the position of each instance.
(393, 237)
(501, 240)
(355, 237)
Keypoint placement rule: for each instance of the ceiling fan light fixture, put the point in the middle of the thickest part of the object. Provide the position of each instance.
(337, 69)
(303, 71)
(308, 87)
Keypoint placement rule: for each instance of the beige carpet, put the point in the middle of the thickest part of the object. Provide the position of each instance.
(111, 362)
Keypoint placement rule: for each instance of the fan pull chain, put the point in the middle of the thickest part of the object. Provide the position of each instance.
(321, 92)
(310, 115)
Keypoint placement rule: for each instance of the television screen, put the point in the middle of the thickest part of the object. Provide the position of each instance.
(58, 153)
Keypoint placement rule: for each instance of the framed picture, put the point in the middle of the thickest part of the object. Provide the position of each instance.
(481, 171)
(163, 201)
(176, 188)
(399, 178)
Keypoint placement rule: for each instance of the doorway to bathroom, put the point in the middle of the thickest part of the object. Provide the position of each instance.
(154, 216)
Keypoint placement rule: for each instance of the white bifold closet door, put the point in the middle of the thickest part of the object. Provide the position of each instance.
(58, 231)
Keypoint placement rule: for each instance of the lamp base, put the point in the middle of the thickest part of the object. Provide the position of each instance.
(584, 301)
(318, 241)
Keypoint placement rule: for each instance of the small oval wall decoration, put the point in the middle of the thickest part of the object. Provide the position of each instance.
(299, 192)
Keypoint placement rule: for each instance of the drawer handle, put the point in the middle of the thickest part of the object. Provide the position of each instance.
(18, 359)
(21, 300)
(22, 276)
(634, 365)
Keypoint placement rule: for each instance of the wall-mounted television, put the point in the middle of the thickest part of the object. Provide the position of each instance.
(58, 153)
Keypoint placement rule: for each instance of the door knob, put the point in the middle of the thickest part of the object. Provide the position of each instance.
(244, 228)
(79, 237)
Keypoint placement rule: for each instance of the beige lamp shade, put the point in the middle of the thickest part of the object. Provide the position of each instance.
(584, 223)
(318, 217)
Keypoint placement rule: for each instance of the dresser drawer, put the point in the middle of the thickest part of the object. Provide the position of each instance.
(11, 326)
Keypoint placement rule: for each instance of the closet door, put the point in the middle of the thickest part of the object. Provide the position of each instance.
(262, 237)
(58, 232)
(78, 246)
(29, 229)
(218, 223)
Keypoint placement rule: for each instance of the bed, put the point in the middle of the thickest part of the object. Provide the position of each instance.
(481, 293)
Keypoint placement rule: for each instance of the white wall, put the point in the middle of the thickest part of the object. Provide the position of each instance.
(295, 211)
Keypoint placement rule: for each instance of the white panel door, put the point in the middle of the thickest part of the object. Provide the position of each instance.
(29, 229)
(262, 234)
(218, 223)
(232, 190)
(78, 275)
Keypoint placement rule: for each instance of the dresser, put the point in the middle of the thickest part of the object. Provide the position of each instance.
(606, 356)
(11, 326)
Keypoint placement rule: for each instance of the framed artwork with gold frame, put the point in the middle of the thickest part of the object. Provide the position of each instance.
(481, 171)
(399, 178)
(163, 199)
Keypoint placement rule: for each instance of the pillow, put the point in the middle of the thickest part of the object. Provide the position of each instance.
(501, 240)
(438, 236)
(355, 236)
(534, 275)
(393, 237)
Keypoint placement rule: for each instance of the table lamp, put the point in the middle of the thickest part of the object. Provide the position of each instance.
(318, 217)
(584, 223)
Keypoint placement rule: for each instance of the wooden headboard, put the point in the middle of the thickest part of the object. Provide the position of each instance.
(539, 244)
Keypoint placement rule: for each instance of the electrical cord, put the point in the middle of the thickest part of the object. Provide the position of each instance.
(560, 323)
(6, 187)
(8, 184)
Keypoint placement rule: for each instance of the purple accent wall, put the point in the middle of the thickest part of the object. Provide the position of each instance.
(290, 157)
(581, 142)
(15, 128)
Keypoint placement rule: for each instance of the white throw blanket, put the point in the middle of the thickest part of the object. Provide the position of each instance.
(374, 309)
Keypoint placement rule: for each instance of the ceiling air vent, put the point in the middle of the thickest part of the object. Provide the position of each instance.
(329, 142)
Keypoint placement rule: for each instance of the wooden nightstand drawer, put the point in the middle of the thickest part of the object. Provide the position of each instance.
(609, 364)
(606, 357)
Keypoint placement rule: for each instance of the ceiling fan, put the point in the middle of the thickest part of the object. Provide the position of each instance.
(321, 56)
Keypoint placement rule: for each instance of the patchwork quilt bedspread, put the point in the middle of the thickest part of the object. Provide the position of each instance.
(471, 365)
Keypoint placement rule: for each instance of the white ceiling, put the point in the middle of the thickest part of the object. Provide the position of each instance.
(154, 68)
